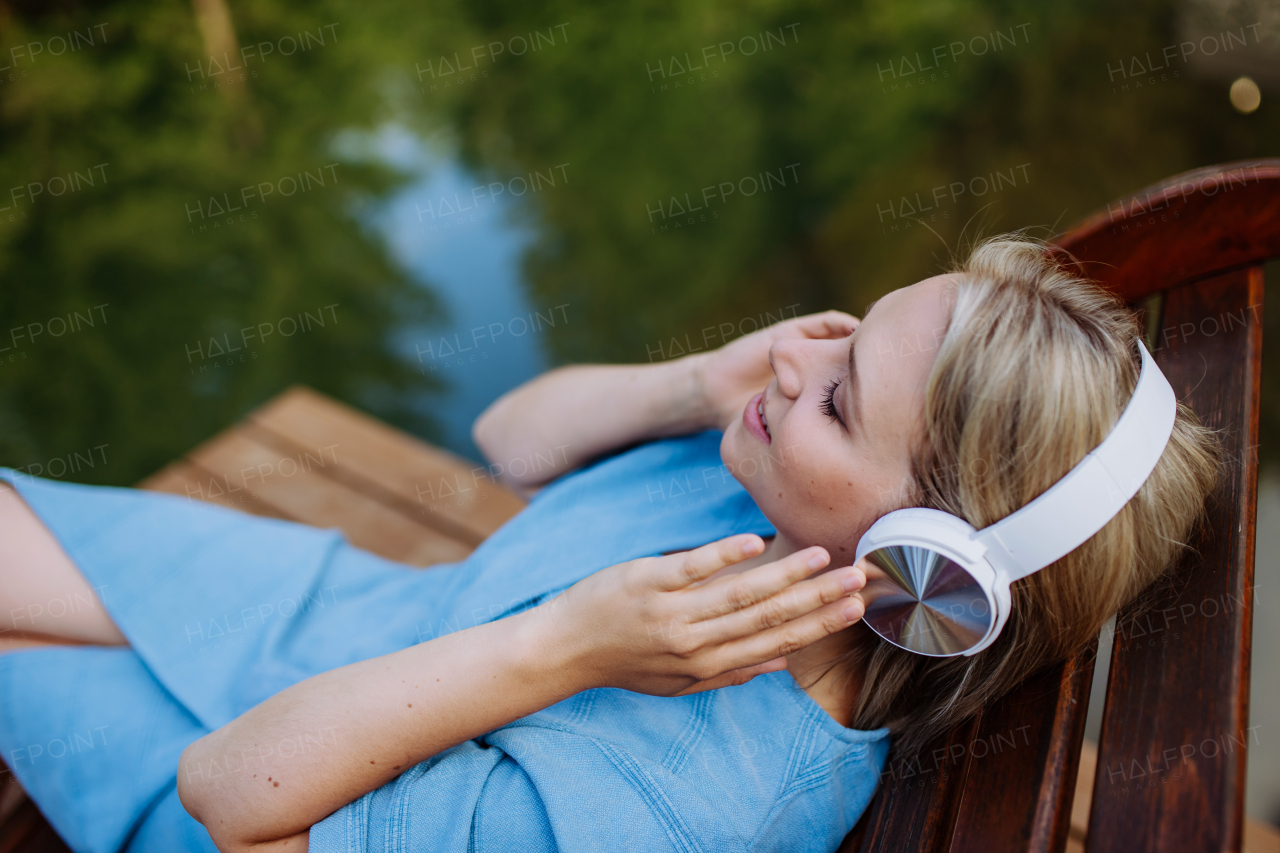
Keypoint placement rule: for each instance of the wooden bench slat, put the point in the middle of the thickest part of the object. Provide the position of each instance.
(27, 831)
(455, 496)
(1188, 227)
(294, 486)
(186, 479)
(917, 804)
(1170, 767)
(1028, 749)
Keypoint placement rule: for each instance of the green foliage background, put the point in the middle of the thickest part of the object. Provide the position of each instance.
(593, 102)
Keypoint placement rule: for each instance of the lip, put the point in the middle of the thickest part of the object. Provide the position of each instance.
(751, 419)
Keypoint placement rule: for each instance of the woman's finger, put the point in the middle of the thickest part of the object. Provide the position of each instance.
(739, 591)
(735, 677)
(827, 324)
(786, 606)
(789, 637)
(688, 567)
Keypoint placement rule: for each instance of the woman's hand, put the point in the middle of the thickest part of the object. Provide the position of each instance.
(730, 376)
(665, 626)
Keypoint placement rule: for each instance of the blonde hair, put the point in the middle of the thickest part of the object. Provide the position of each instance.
(1035, 368)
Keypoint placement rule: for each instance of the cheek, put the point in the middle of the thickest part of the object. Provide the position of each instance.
(823, 504)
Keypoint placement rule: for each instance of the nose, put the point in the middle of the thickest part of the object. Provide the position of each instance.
(798, 361)
(788, 359)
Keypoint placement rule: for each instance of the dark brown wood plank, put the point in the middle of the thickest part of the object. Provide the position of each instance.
(27, 831)
(456, 496)
(916, 806)
(293, 484)
(1259, 837)
(1027, 749)
(1171, 762)
(1190, 226)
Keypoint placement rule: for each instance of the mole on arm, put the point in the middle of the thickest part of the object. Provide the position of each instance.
(275, 785)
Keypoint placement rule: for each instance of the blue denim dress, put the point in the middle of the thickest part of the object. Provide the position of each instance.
(223, 610)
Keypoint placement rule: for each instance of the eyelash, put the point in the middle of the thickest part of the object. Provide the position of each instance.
(828, 401)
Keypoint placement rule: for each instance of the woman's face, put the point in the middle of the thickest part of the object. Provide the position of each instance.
(823, 472)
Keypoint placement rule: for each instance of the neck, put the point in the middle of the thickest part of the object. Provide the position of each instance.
(832, 687)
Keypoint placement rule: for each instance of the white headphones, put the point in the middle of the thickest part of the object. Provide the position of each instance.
(938, 587)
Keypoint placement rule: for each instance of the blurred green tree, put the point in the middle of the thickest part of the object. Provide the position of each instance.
(719, 164)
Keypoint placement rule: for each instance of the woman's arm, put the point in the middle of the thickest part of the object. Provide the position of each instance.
(660, 625)
(262, 780)
(570, 415)
(573, 414)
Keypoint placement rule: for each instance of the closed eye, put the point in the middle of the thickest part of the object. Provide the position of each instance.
(829, 401)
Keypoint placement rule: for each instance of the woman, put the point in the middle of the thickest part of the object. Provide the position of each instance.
(564, 695)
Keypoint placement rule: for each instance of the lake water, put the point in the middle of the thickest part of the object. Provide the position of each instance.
(467, 249)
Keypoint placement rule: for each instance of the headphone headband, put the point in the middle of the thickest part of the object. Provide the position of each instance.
(1095, 490)
(937, 587)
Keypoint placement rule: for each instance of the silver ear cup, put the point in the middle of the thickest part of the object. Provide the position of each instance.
(923, 602)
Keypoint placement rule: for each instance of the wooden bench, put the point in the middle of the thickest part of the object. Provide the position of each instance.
(1019, 777)
(1171, 759)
